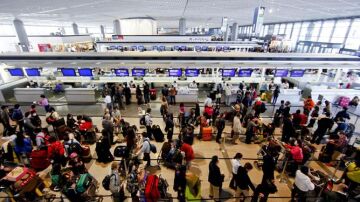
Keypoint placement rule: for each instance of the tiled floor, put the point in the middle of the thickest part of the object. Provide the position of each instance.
(202, 150)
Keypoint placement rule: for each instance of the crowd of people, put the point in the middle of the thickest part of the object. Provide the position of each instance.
(66, 148)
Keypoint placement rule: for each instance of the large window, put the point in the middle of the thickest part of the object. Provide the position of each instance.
(304, 30)
(353, 40)
(326, 31)
(276, 29)
(295, 32)
(341, 28)
(282, 29)
(288, 30)
(315, 30)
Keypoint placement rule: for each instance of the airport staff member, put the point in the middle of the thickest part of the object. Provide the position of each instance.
(193, 85)
(302, 184)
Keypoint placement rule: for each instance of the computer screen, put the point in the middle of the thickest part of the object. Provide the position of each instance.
(245, 72)
(32, 72)
(297, 73)
(228, 72)
(138, 72)
(16, 72)
(68, 72)
(85, 72)
(281, 73)
(191, 72)
(121, 72)
(175, 72)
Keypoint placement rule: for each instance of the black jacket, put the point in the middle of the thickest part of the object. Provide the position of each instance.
(288, 127)
(243, 180)
(268, 167)
(215, 177)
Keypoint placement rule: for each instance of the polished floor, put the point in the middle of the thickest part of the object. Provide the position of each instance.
(203, 151)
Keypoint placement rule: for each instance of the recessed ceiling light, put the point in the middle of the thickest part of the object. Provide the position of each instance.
(270, 10)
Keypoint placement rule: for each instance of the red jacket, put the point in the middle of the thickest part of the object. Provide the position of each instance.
(85, 126)
(56, 148)
(189, 152)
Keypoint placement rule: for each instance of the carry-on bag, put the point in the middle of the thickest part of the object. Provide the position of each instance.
(207, 133)
(152, 193)
(39, 159)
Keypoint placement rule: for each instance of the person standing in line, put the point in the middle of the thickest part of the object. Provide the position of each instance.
(119, 96)
(215, 179)
(302, 184)
(313, 117)
(18, 116)
(276, 94)
(169, 128)
(236, 128)
(146, 93)
(243, 182)
(44, 102)
(139, 95)
(108, 127)
(227, 94)
(165, 92)
(115, 183)
(146, 149)
(108, 102)
(220, 125)
(148, 123)
(180, 182)
(251, 126)
(5, 119)
(288, 129)
(308, 105)
(269, 165)
(172, 93)
(235, 163)
(127, 93)
(324, 124)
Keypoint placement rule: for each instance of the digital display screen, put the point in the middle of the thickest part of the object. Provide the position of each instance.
(191, 72)
(121, 72)
(32, 72)
(16, 72)
(138, 72)
(281, 73)
(141, 48)
(161, 48)
(175, 72)
(180, 48)
(204, 48)
(245, 72)
(85, 72)
(297, 73)
(228, 72)
(68, 72)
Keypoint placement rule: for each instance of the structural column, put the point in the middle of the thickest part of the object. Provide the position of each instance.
(102, 31)
(75, 28)
(182, 26)
(234, 32)
(22, 35)
(116, 27)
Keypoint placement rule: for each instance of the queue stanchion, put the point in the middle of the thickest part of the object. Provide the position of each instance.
(336, 169)
(282, 178)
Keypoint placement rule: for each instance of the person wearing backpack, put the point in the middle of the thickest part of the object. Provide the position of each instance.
(18, 116)
(114, 182)
(146, 149)
(41, 138)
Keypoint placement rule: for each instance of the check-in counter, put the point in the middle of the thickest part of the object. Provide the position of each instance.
(80, 95)
(293, 95)
(186, 94)
(28, 94)
(331, 94)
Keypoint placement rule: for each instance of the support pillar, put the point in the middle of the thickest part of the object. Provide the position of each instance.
(234, 32)
(22, 35)
(102, 31)
(116, 27)
(182, 26)
(75, 28)
(319, 74)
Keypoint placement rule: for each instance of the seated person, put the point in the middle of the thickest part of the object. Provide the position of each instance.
(85, 122)
(354, 101)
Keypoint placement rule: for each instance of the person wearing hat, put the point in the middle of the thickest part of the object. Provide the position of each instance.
(215, 178)
(76, 165)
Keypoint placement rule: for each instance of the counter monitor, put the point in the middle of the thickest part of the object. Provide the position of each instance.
(228, 72)
(85, 72)
(32, 72)
(16, 72)
(281, 73)
(121, 72)
(245, 72)
(175, 72)
(68, 72)
(297, 73)
(191, 72)
(138, 72)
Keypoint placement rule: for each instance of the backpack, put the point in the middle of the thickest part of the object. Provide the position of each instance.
(152, 193)
(45, 139)
(262, 107)
(142, 121)
(106, 181)
(152, 147)
(74, 147)
(50, 120)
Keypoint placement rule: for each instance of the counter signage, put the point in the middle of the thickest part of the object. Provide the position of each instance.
(297, 73)
(32, 72)
(175, 72)
(191, 72)
(138, 72)
(121, 72)
(281, 73)
(85, 72)
(245, 72)
(68, 72)
(228, 72)
(16, 72)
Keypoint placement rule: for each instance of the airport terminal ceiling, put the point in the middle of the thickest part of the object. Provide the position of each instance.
(167, 12)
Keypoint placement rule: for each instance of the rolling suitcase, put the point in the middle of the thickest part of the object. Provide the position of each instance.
(86, 154)
(344, 101)
(152, 193)
(207, 133)
(157, 133)
(39, 160)
(90, 137)
(153, 94)
(121, 151)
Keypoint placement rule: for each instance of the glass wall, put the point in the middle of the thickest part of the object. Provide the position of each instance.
(344, 30)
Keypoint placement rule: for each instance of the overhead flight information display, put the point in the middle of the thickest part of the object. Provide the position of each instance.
(175, 72)
(297, 73)
(228, 72)
(281, 73)
(85, 72)
(68, 72)
(191, 72)
(138, 72)
(245, 72)
(32, 72)
(121, 72)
